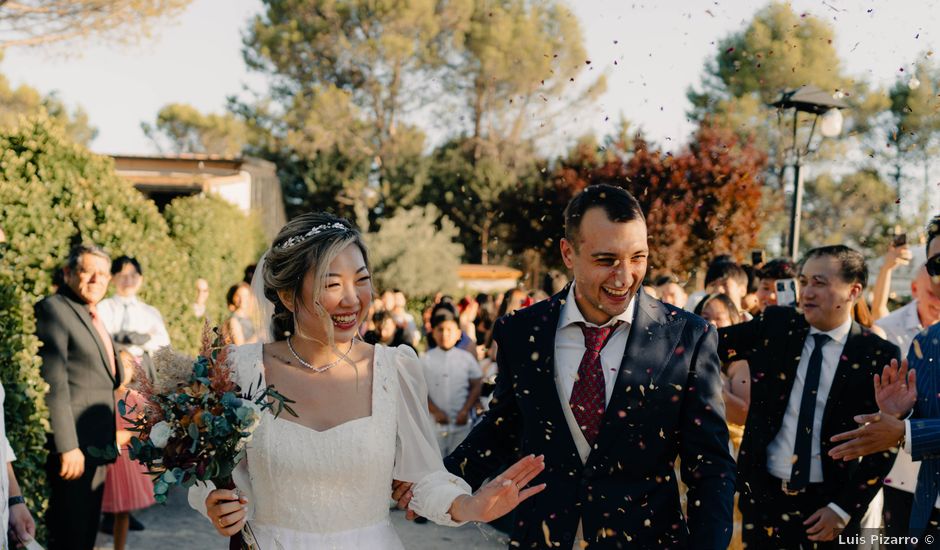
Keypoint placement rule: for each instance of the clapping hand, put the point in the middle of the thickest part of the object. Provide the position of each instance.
(895, 393)
(896, 389)
(502, 494)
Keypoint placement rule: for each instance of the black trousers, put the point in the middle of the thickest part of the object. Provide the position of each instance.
(897, 511)
(74, 506)
(774, 520)
(932, 533)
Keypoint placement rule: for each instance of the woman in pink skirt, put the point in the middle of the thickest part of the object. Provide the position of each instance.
(128, 487)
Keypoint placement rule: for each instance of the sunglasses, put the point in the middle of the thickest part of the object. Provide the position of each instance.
(933, 265)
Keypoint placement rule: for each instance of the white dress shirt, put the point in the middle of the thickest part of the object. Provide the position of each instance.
(569, 349)
(448, 374)
(780, 451)
(901, 326)
(569, 346)
(119, 313)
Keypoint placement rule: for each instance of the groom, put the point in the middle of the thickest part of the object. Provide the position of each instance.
(611, 386)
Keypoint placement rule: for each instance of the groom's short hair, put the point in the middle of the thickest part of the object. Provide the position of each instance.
(617, 202)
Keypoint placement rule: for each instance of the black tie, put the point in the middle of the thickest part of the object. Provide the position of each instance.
(803, 447)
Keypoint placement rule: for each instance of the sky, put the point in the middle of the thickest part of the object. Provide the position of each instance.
(660, 47)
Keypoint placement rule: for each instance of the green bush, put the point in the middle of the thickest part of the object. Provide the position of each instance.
(54, 193)
(219, 242)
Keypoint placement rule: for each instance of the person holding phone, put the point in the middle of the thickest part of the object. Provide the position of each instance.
(768, 275)
(899, 254)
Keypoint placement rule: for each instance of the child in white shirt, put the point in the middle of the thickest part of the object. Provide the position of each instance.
(454, 380)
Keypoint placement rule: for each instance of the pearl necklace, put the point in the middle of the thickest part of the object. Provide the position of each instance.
(325, 367)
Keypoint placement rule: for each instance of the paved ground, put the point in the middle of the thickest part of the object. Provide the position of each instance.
(179, 527)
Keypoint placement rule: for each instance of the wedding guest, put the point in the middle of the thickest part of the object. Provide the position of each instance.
(749, 303)
(670, 291)
(728, 278)
(767, 276)
(811, 373)
(202, 298)
(241, 324)
(127, 487)
(13, 511)
(137, 326)
(404, 319)
(719, 311)
(454, 381)
(898, 255)
(79, 364)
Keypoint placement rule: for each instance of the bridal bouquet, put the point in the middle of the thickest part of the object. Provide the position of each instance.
(196, 421)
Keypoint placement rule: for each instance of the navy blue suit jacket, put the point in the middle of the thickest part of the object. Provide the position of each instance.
(666, 403)
(924, 356)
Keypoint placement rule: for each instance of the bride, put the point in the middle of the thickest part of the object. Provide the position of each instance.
(323, 479)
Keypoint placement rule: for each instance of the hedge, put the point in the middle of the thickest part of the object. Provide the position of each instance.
(54, 193)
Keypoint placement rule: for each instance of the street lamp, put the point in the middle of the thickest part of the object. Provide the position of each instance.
(825, 110)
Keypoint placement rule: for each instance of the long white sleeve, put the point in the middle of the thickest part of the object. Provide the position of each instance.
(417, 456)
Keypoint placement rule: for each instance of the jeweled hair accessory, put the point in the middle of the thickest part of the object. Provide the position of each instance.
(297, 239)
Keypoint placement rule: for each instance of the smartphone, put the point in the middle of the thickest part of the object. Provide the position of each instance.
(786, 292)
(900, 240)
(757, 257)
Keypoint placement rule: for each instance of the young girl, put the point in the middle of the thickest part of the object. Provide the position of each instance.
(127, 486)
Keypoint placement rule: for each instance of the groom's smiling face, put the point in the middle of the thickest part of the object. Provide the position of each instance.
(609, 264)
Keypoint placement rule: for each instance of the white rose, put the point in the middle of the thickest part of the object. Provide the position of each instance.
(160, 434)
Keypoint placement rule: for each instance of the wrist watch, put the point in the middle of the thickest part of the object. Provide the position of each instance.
(13, 501)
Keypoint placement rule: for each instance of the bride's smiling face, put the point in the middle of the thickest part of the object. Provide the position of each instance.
(345, 298)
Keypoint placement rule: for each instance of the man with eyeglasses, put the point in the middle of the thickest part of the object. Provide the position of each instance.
(80, 365)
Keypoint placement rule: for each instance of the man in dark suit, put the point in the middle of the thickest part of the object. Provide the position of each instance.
(79, 364)
(811, 373)
(611, 386)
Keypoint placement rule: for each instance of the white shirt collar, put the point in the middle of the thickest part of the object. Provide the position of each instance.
(912, 317)
(571, 313)
(839, 334)
(125, 300)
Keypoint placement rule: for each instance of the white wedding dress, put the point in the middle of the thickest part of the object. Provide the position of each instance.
(308, 489)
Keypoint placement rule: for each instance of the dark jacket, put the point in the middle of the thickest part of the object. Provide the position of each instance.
(81, 386)
(772, 344)
(666, 403)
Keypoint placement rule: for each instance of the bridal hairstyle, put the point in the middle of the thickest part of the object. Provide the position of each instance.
(308, 242)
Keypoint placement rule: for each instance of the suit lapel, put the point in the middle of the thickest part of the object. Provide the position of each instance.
(541, 372)
(849, 357)
(650, 345)
(793, 351)
(85, 318)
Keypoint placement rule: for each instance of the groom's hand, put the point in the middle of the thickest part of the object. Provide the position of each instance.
(401, 494)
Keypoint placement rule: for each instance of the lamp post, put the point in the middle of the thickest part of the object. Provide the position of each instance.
(825, 110)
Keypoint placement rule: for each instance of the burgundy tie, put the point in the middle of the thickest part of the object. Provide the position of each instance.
(588, 396)
(103, 333)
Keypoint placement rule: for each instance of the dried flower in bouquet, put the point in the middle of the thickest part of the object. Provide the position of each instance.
(197, 420)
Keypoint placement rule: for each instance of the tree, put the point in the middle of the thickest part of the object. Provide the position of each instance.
(25, 100)
(911, 131)
(181, 128)
(345, 76)
(43, 22)
(698, 202)
(217, 240)
(779, 49)
(869, 200)
(415, 250)
(514, 78)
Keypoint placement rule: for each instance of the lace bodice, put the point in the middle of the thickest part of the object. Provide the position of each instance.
(339, 479)
(343, 473)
